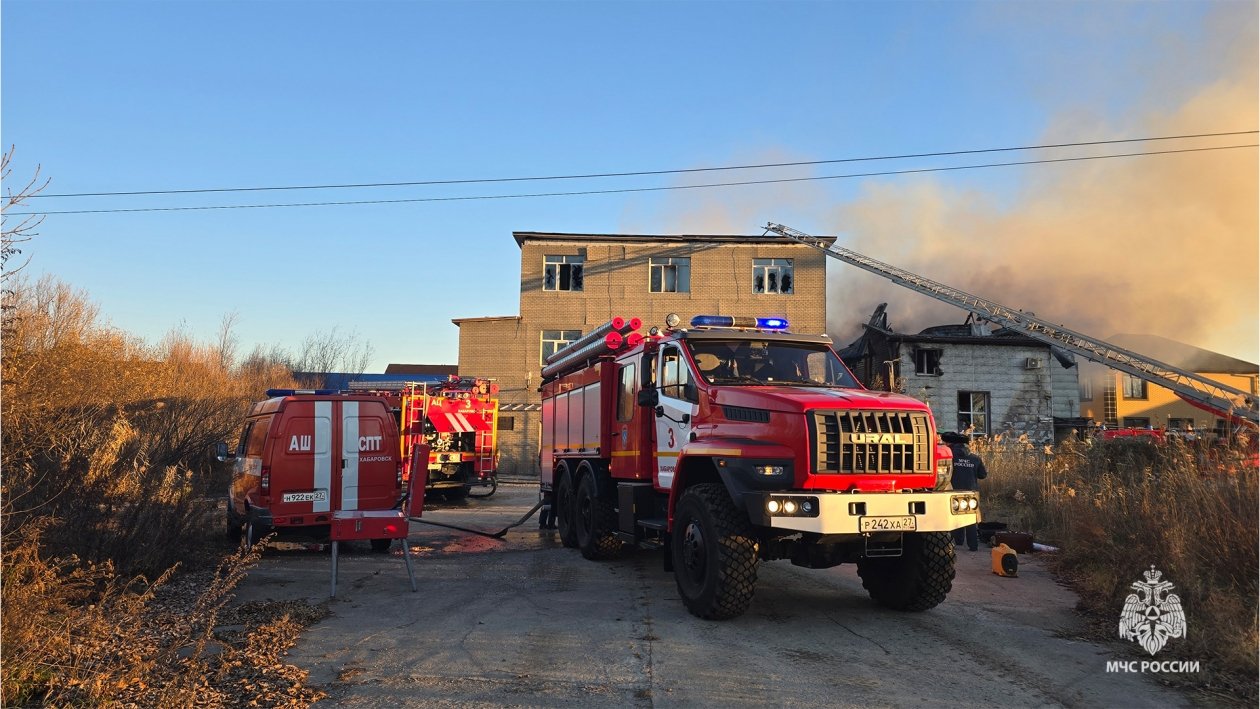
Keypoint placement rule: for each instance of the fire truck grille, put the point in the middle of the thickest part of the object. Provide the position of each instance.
(871, 442)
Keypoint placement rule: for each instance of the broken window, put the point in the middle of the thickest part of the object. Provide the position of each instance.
(562, 272)
(772, 275)
(927, 362)
(669, 275)
(973, 412)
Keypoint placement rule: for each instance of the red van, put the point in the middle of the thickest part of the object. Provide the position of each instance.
(304, 455)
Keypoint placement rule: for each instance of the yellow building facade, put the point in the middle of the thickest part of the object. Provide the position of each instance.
(1120, 400)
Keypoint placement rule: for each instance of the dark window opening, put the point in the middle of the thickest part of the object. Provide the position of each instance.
(973, 412)
(563, 273)
(772, 275)
(669, 275)
(927, 362)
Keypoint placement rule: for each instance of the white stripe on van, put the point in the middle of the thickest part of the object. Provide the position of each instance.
(322, 454)
(350, 454)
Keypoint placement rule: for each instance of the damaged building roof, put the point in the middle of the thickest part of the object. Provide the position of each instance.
(969, 332)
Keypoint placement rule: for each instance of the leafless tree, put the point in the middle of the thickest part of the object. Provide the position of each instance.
(226, 341)
(325, 352)
(13, 235)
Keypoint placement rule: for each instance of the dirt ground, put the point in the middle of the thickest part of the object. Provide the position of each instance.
(524, 622)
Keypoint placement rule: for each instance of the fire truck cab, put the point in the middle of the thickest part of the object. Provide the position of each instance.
(734, 442)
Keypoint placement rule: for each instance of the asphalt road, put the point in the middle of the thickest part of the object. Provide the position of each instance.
(525, 622)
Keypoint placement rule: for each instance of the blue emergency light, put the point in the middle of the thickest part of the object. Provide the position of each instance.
(272, 393)
(732, 321)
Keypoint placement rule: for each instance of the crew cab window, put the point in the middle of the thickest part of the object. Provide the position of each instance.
(674, 374)
(625, 393)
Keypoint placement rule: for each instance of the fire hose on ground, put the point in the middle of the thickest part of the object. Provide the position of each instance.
(492, 535)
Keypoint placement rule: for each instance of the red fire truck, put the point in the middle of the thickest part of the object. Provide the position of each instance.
(734, 442)
(457, 418)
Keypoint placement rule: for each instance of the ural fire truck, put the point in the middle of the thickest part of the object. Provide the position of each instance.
(733, 442)
(456, 418)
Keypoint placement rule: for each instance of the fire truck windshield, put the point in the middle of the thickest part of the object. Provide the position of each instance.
(761, 362)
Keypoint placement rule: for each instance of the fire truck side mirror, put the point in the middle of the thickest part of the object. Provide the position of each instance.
(649, 397)
(221, 452)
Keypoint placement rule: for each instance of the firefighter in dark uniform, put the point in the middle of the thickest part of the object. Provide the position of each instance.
(968, 471)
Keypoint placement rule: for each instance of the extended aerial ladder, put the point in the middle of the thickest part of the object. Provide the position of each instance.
(1196, 389)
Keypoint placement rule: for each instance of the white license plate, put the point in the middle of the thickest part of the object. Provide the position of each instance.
(313, 496)
(905, 523)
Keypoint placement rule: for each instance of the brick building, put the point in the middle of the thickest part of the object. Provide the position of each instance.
(573, 283)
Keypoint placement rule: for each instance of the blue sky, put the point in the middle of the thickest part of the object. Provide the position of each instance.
(116, 96)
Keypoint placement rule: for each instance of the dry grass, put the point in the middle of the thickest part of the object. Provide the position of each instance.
(1116, 508)
(107, 476)
(107, 441)
(77, 633)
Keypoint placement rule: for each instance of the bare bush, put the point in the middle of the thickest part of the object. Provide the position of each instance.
(105, 449)
(110, 437)
(325, 352)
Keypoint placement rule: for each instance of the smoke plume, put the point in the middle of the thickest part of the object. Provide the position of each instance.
(1163, 245)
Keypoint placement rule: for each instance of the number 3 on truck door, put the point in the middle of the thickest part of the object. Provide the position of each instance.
(673, 375)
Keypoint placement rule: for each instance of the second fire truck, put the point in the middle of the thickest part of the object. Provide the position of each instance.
(733, 442)
(457, 418)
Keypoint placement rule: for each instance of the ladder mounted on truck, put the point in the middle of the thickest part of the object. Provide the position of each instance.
(1227, 401)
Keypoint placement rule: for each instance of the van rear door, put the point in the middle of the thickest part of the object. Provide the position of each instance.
(302, 454)
(333, 454)
(369, 456)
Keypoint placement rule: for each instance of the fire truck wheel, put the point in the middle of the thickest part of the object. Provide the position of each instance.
(380, 546)
(714, 553)
(595, 521)
(917, 580)
(563, 510)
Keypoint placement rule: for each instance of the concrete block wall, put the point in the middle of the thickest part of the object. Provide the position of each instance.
(1021, 400)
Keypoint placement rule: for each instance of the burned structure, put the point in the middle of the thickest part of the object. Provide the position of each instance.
(974, 377)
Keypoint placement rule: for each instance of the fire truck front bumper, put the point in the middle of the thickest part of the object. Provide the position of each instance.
(864, 513)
